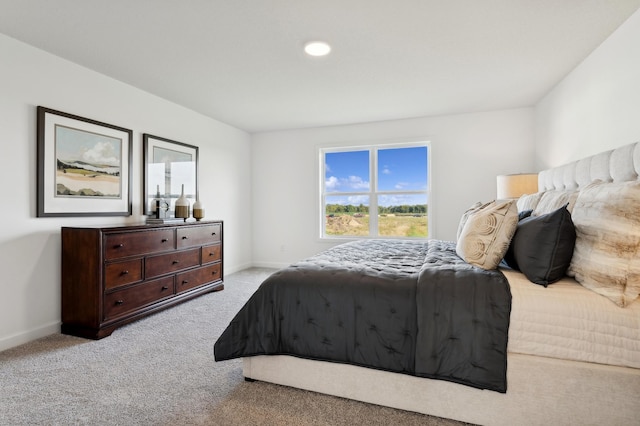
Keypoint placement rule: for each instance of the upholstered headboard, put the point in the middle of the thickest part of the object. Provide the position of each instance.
(617, 165)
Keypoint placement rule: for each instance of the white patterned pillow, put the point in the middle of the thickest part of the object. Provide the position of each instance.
(529, 201)
(606, 258)
(553, 200)
(486, 235)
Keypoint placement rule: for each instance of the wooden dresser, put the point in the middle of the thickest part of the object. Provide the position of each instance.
(114, 275)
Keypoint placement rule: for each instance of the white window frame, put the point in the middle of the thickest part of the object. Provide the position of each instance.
(373, 192)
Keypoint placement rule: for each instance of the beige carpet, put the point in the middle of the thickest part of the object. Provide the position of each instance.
(161, 371)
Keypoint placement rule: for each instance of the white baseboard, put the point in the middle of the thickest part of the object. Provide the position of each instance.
(236, 268)
(29, 335)
(274, 265)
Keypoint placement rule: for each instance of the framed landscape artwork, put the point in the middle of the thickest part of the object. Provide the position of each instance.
(168, 165)
(84, 166)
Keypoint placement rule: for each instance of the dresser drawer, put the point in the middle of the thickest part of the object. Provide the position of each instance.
(121, 302)
(188, 280)
(197, 235)
(171, 262)
(211, 253)
(138, 243)
(121, 273)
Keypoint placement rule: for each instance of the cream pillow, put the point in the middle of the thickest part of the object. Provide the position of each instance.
(486, 235)
(475, 207)
(553, 200)
(606, 257)
(528, 201)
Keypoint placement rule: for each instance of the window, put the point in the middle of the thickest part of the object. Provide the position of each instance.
(375, 191)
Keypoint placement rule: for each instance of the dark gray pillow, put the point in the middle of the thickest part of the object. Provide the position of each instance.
(524, 214)
(542, 246)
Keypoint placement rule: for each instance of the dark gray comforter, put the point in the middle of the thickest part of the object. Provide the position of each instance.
(410, 307)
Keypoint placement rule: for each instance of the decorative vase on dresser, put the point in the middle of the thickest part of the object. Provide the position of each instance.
(114, 275)
(182, 206)
(198, 210)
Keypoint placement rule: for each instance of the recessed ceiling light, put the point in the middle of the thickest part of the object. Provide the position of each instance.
(317, 48)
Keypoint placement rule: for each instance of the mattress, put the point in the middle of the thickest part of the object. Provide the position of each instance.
(568, 321)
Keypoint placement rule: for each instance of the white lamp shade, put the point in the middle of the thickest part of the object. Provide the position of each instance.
(514, 186)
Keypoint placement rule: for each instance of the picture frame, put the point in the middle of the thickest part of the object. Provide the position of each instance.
(168, 165)
(84, 166)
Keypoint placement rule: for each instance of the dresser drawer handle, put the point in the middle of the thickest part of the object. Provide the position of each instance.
(185, 282)
(118, 245)
(164, 240)
(184, 237)
(175, 262)
(214, 272)
(119, 302)
(212, 254)
(164, 287)
(124, 272)
(213, 233)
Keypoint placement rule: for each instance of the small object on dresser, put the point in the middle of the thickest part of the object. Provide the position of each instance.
(159, 207)
(182, 206)
(161, 221)
(198, 210)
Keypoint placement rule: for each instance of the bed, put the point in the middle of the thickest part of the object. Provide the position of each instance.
(573, 344)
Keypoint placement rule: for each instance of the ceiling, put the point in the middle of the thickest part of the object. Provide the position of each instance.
(241, 61)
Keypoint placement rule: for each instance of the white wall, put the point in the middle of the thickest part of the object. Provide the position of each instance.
(467, 153)
(30, 246)
(597, 106)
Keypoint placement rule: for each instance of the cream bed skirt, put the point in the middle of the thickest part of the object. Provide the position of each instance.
(541, 391)
(568, 321)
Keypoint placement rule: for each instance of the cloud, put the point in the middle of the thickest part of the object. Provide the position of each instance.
(386, 170)
(352, 183)
(331, 184)
(102, 153)
(400, 199)
(358, 199)
(356, 182)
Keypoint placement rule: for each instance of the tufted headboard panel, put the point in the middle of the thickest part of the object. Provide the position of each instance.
(617, 165)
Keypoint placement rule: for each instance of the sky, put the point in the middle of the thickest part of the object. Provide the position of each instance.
(399, 169)
(74, 144)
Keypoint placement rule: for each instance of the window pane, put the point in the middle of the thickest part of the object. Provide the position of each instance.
(402, 169)
(403, 215)
(347, 215)
(347, 171)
